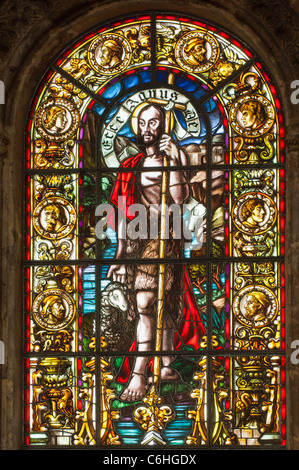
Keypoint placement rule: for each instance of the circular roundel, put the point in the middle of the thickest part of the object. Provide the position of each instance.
(252, 115)
(54, 218)
(255, 306)
(53, 309)
(110, 54)
(254, 213)
(57, 119)
(197, 51)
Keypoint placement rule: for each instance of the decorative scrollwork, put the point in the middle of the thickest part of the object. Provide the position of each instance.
(255, 273)
(154, 417)
(54, 155)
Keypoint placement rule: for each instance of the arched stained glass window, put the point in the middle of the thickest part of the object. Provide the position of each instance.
(154, 249)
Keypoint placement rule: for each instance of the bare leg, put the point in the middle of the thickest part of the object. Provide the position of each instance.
(145, 336)
(145, 339)
(167, 372)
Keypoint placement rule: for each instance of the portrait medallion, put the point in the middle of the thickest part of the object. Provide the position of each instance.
(53, 309)
(110, 53)
(254, 213)
(255, 306)
(57, 120)
(197, 51)
(252, 115)
(54, 218)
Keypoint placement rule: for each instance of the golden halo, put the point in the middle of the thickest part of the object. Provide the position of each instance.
(138, 110)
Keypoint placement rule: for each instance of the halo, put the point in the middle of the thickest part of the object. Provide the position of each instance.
(138, 110)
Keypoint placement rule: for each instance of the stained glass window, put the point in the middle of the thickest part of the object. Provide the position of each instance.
(154, 201)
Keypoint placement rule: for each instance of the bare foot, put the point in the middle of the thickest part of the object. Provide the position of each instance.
(136, 389)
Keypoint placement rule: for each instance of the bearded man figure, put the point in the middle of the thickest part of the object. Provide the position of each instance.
(144, 187)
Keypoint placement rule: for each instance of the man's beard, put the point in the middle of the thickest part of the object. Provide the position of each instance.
(150, 143)
(199, 56)
(50, 226)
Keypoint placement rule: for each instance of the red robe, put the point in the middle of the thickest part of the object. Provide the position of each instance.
(191, 328)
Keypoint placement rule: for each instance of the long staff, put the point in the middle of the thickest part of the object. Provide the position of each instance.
(151, 417)
(161, 273)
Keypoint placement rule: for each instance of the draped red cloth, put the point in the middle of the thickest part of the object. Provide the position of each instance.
(191, 328)
(125, 189)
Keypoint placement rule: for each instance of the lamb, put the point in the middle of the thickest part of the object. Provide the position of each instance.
(115, 327)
